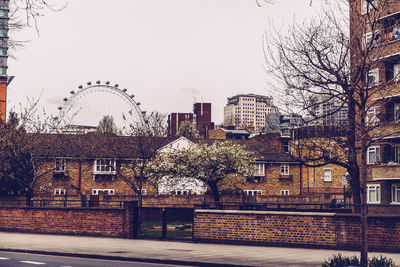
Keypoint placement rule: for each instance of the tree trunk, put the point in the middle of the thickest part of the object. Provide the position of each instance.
(354, 170)
(214, 188)
(363, 178)
(29, 197)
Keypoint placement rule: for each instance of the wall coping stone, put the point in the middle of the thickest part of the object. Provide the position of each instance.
(250, 212)
(62, 208)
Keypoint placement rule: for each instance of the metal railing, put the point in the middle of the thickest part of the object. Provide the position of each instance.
(62, 203)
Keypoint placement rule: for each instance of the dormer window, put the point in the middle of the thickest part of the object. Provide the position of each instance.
(60, 166)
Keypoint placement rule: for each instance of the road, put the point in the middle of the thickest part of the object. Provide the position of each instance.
(15, 259)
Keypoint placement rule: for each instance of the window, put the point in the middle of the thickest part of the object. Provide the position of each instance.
(3, 51)
(3, 70)
(373, 193)
(327, 175)
(373, 155)
(372, 116)
(60, 165)
(106, 191)
(284, 169)
(3, 33)
(397, 111)
(285, 146)
(284, 192)
(372, 77)
(3, 13)
(395, 193)
(253, 192)
(59, 191)
(396, 71)
(104, 166)
(144, 191)
(367, 5)
(182, 192)
(259, 169)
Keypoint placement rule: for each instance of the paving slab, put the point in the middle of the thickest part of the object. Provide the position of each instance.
(188, 253)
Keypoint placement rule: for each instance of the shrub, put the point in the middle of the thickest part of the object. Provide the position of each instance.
(340, 261)
(382, 261)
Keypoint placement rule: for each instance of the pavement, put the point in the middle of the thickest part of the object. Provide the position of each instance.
(170, 252)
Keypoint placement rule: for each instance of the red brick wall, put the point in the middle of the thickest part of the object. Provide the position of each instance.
(328, 230)
(98, 222)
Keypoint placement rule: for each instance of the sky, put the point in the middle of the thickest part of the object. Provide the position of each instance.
(168, 53)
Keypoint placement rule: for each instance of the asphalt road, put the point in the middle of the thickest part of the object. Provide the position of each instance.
(15, 259)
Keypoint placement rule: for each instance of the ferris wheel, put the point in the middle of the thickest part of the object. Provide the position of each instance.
(87, 105)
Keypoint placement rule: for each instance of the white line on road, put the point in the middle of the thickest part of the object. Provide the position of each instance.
(1, 258)
(33, 262)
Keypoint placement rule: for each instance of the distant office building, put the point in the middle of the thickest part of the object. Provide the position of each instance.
(246, 110)
(201, 118)
(330, 112)
(287, 122)
(4, 10)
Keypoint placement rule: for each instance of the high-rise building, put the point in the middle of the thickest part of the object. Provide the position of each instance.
(4, 10)
(247, 111)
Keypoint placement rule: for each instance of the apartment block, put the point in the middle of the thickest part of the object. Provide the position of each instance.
(4, 10)
(246, 110)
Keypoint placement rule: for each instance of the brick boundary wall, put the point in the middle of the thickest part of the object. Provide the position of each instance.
(296, 229)
(110, 222)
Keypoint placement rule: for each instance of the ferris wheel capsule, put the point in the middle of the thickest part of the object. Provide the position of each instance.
(89, 83)
(98, 81)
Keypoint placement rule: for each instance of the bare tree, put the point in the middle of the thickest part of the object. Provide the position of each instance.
(146, 139)
(331, 59)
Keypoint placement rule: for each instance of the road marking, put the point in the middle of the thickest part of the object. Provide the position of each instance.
(1, 258)
(33, 262)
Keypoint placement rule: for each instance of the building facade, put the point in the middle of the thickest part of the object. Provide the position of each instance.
(246, 110)
(4, 13)
(378, 27)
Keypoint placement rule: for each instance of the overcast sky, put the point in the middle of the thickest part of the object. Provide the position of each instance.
(168, 53)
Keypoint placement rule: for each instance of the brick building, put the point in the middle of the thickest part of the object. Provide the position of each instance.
(201, 118)
(377, 25)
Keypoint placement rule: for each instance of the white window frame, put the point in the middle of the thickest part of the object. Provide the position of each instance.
(259, 169)
(365, 6)
(375, 150)
(59, 191)
(396, 111)
(372, 115)
(395, 192)
(376, 190)
(107, 191)
(327, 175)
(182, 192)
(253, 192)
(284, 169)
(105, 166)
(144, 192)
(372, 73)
(396, 72)
(60, 165)
(284, 192)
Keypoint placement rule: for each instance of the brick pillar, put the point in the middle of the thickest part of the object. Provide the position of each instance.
(131, 219)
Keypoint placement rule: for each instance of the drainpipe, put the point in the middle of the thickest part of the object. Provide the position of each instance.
(301, 179)
(79, 175)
